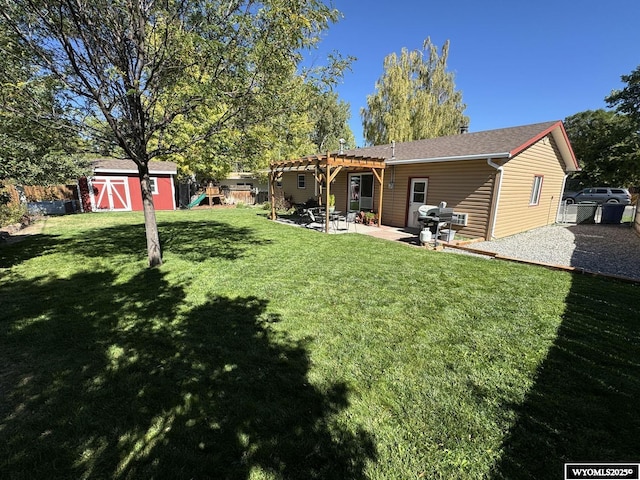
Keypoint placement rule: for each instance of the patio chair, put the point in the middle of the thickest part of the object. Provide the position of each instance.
(313, 216)
(350, 218)
(307, 217)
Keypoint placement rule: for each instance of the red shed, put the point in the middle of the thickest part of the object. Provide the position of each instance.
(115, 186)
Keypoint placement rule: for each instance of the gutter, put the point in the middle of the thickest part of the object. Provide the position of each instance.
(456, 158)
(500, 170)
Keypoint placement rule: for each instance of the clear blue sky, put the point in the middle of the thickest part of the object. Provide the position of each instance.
(516, 62)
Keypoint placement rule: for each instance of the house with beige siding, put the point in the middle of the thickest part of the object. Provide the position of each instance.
(506, 181)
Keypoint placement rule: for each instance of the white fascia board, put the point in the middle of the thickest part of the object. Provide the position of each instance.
(125, 170)
(565, 150)
(481, 156)
(114, 170)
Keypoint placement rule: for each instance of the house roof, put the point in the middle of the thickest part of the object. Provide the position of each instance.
(495, 144)
(114, 165)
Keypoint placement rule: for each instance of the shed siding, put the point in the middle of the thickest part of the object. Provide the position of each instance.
(466, 186)
(515, 214)
(163, 200)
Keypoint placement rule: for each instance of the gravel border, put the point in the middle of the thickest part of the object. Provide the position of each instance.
(608, 249)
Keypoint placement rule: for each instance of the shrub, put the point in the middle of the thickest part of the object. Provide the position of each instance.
(11, 210)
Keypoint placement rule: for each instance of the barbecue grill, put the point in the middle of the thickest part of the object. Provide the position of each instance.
(433, 218)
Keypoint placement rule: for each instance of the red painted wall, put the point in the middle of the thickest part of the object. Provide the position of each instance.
(163, 200)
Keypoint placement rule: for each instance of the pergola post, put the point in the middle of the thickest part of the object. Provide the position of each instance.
(272, 193)
(380, 198)
(326, 199)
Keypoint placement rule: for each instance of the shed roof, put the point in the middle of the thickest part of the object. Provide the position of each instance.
(114, 165)
(499, 143)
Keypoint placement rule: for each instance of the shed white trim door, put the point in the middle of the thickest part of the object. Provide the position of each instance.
(111, 193)
(417, 198)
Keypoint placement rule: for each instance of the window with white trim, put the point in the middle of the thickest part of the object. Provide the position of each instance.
(536, 190)
(302, 180)
(153, 185)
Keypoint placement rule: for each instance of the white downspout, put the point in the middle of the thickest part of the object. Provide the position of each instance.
(564, 183)
(495, 210)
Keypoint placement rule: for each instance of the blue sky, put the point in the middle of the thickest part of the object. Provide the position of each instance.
(516, 62)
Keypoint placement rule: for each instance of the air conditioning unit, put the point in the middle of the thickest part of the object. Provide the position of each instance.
(459, 219)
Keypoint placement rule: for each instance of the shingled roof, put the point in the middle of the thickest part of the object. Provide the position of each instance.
(114, 165)
(501, 143)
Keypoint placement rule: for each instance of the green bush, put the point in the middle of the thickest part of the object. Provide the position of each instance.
(11, 213)
(11, 210)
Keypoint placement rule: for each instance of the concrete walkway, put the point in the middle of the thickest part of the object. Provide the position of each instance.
(399, 234)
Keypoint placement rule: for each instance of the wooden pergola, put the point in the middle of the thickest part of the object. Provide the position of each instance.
(325, 168)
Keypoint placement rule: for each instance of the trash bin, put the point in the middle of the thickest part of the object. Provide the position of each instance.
(612, 213)
(586, 212)
(447, 235)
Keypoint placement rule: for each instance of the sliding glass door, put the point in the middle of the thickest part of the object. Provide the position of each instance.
(360, 191)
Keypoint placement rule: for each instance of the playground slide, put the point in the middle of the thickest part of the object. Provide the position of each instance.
(197, 201)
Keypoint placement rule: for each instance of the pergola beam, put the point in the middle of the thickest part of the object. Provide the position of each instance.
(325, 168)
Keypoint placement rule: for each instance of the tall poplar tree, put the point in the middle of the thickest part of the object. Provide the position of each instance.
(415, 98)
(140, 67)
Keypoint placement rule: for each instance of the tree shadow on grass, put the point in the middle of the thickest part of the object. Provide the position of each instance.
(584, 405)
(192, 240)
(105, 380)
(30, 247)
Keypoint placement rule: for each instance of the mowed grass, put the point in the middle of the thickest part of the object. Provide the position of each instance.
(264, 351)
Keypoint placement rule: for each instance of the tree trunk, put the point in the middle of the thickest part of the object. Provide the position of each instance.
(154, 251)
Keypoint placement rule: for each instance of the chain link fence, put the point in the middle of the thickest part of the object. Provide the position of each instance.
(593, 213)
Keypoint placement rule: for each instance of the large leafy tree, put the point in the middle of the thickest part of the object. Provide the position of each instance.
(603, 142)
(627, 100)
(607, 142)
(141, 67)
(37, 145)
(314, 120)
(627, 104)
(330, 116)
(249, 147)
(415, 98)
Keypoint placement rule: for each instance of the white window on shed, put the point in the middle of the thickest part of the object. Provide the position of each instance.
(153, 185)
(302, 180)
(536, 190)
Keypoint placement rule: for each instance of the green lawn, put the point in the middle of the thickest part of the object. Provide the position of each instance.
(263, 351)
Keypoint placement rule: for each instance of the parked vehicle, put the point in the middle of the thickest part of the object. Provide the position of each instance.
(599, 195)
